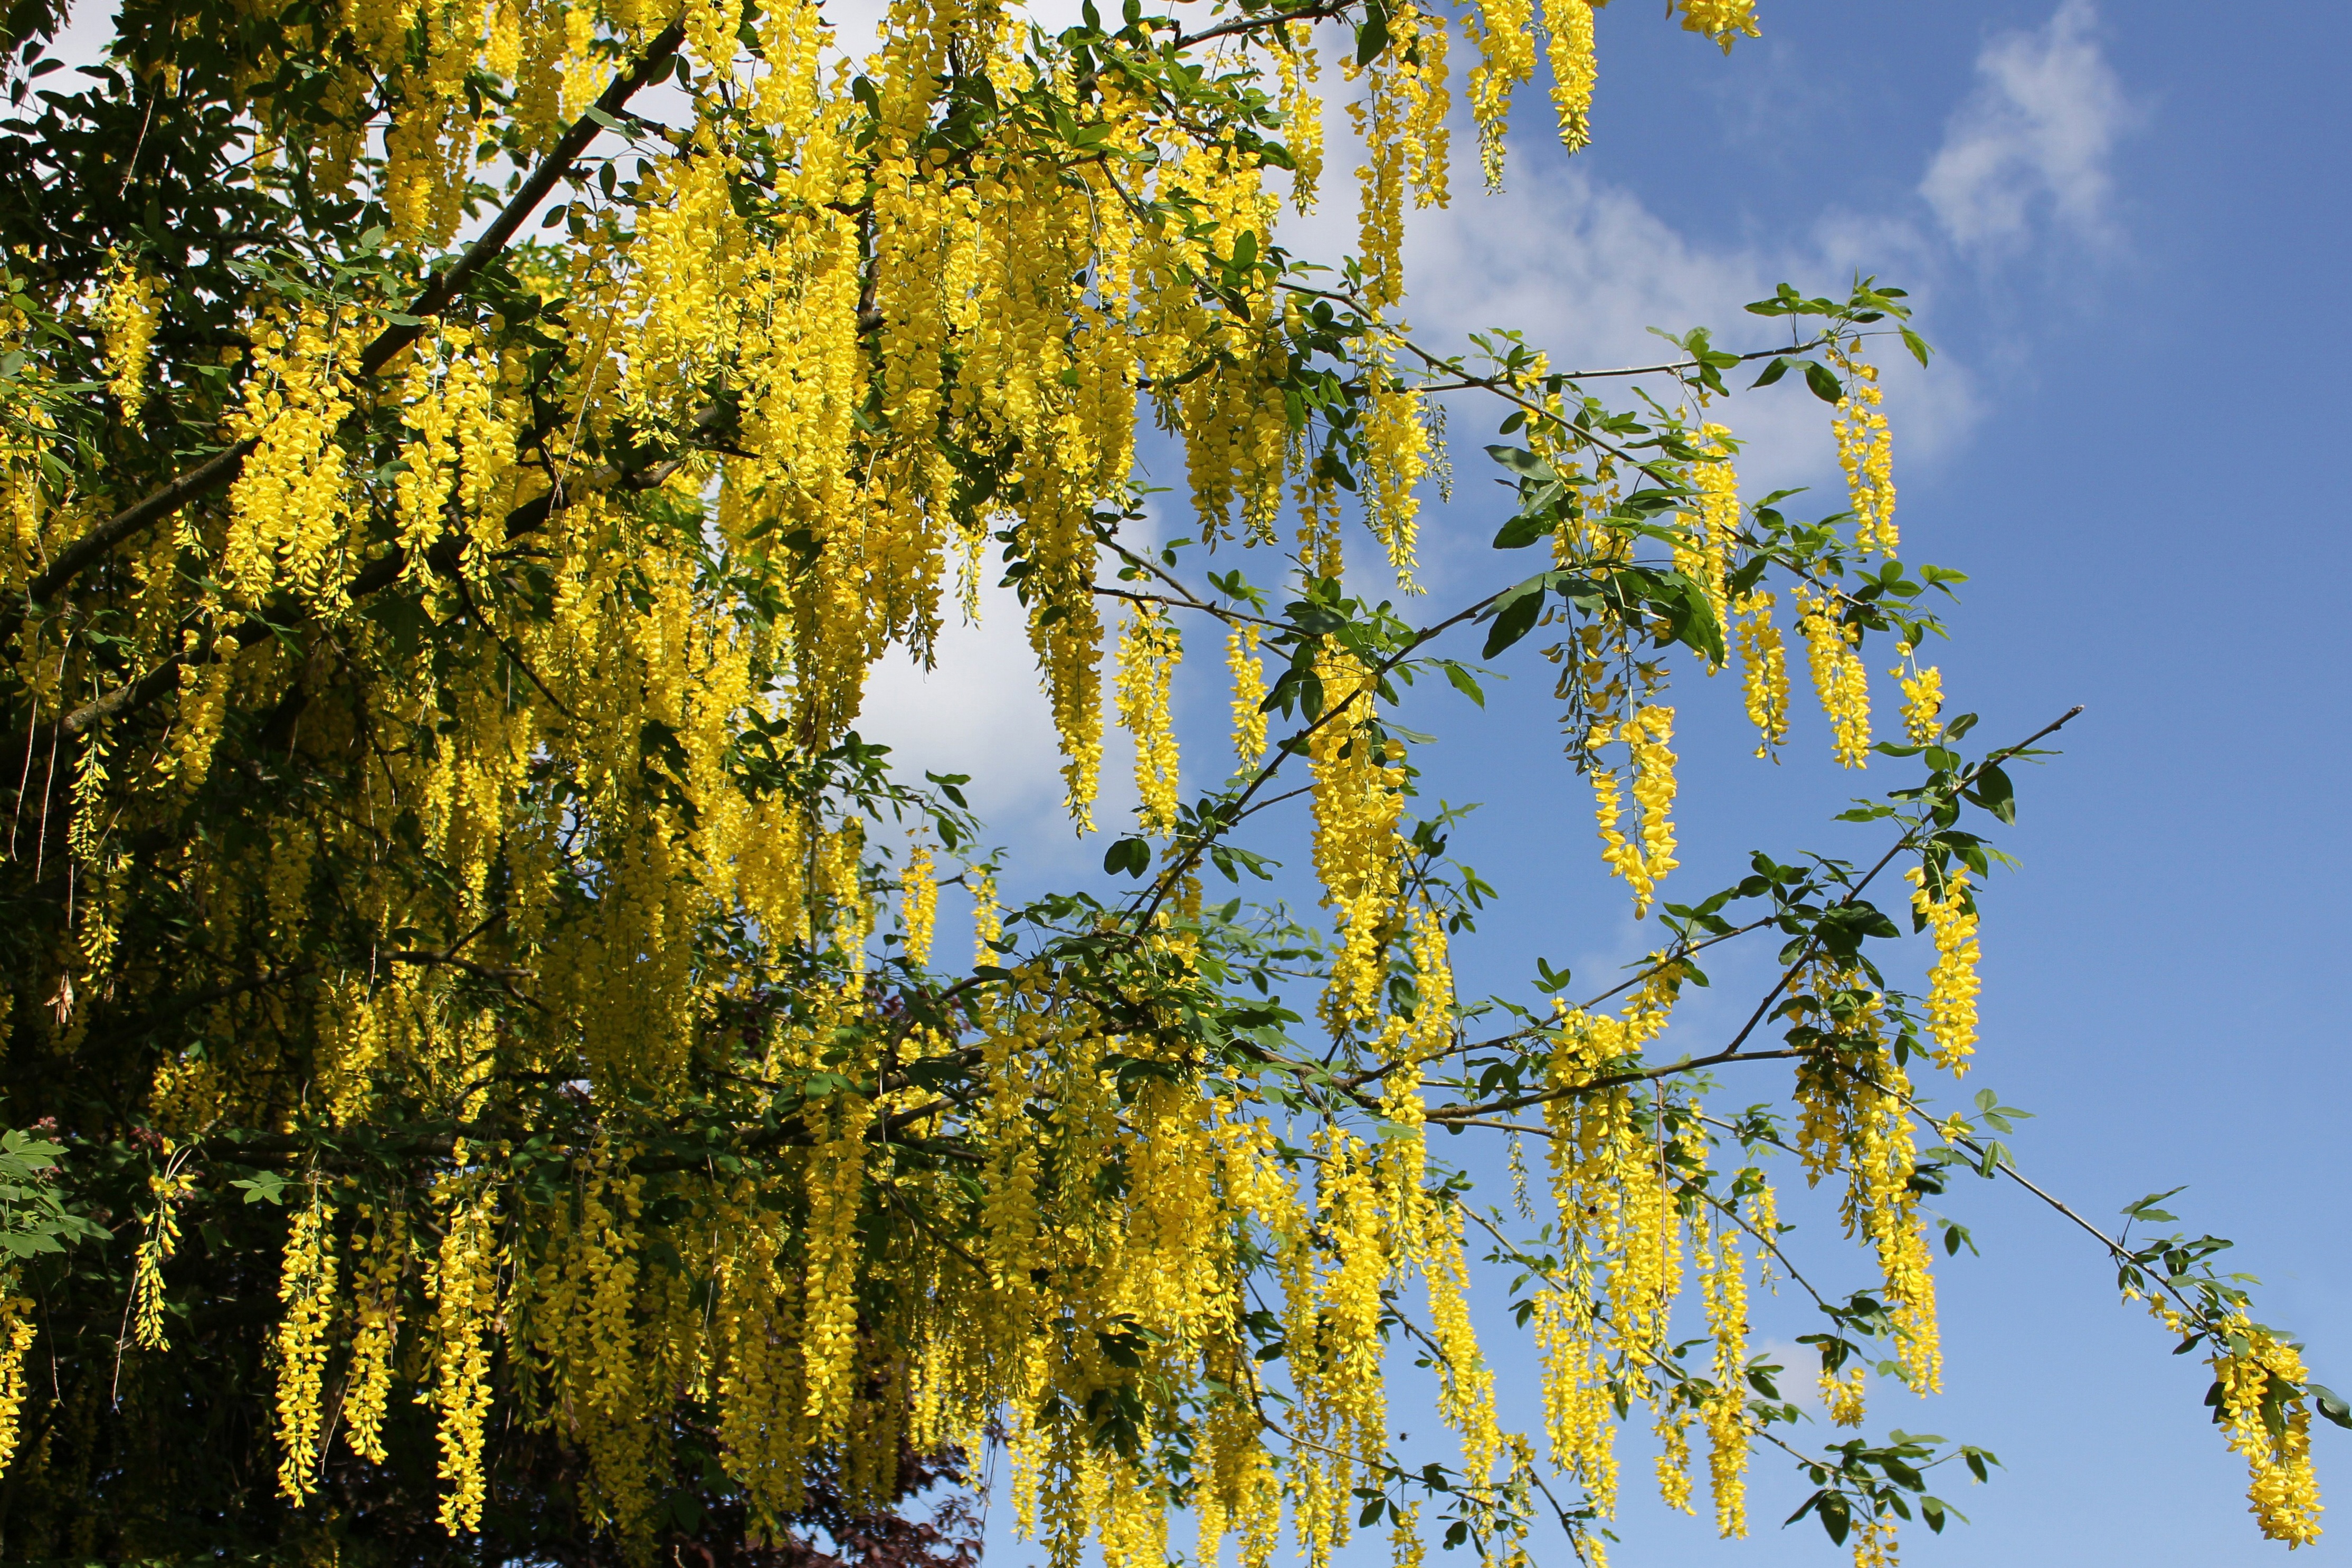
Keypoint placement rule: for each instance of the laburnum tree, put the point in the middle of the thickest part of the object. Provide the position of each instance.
(484, 1088)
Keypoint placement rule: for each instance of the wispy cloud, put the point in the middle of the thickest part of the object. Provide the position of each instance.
(2034, 140)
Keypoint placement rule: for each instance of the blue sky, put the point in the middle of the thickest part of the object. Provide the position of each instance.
(2124, 225)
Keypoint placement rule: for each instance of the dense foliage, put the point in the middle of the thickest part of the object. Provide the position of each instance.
(486, 1089)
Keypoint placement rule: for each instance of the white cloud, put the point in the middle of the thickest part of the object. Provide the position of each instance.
(1583, 267)
(2035, 136)
(980, 710)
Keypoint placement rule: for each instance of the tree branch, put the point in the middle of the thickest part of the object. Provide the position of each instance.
(1452, 1113)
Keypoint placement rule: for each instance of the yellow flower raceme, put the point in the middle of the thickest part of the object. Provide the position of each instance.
(1505, 34)
(378, 1265)
(127, 313)
(1672, 1464)
(308, 1288)
(1705, 556)
(17, 1332)
(1569, 27)
(290, 507)
(1763, 670)
(922, 905)
(1302, 107)
(1645, 861)
(1845, 1396)
(1923, 699)
(1839, 678)
(1952, 983)
(1398, 453)
(465, 1290)
(2282, 1495)
(1724, 21)
(156, 1249)
(1249, 694)
(1866, 451)
(1149, 649)
(1356, 804)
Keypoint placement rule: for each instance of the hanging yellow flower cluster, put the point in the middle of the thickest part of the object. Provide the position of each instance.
(2252, 1369)
(1627, 1212)
(1839, 678)
(1866, 451)
(1248, 674)
(1705, 556)
(1952, 983)
(922, 906)
(127, 314)
(1400, 120)
(1358, 775)
(463, 1282)
(16, 1331)
(1856, 1118)
(380, 1262)
(1724, 21)
(1763, 670)
(1149, 649)
(28, 428)
(308, 1288)
(1923, 697)
(1722, 1271)
(1642, 862)
(1568, 25)
(292, 509)
(1397, 457)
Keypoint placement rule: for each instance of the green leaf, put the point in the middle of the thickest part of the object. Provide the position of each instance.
(1521, 461)
(2145, 1208)
(1132, 855)
(1372, 37)
(1991, 789)
(1837, 1516)
(1773, 371)
(1694, 617)
(263, 1186)
(1460, 679)
(1514, 616)
(1916, 344)
(1825, 385)
(1524, 530)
